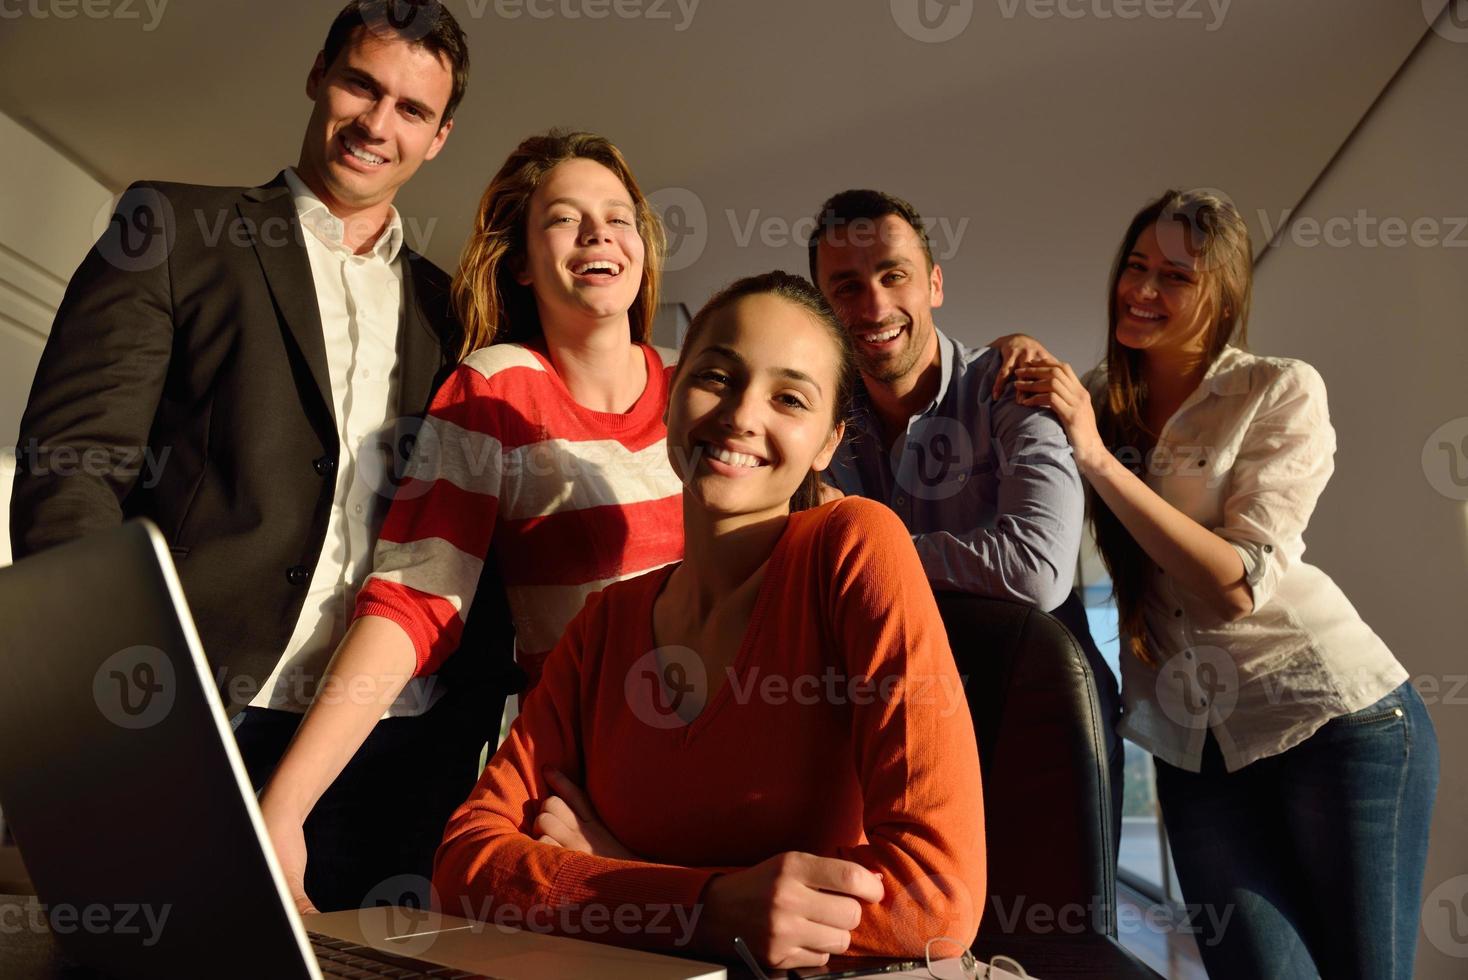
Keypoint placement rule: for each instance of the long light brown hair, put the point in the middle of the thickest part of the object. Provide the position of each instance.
(1215, 236)
(492, 306)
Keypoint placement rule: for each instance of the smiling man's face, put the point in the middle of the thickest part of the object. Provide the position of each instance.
(878, 281)
(378, 117)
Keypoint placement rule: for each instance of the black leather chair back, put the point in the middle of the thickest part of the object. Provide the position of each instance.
(482, 673)
(1047, 793)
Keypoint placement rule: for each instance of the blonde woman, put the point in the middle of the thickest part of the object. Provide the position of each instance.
(1296, 766)
(547, 441)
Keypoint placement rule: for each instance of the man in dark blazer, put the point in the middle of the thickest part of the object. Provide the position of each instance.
(227, 362)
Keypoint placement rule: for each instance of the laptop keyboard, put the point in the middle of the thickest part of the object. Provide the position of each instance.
(341, 960)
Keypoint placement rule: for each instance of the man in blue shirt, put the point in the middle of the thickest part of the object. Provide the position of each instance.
(988, 487)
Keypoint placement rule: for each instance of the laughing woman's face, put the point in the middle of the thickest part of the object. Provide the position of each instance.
(1161, 299)
(752, 407)
(584, 254)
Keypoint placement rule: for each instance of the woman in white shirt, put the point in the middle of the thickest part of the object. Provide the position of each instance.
(1296, 766)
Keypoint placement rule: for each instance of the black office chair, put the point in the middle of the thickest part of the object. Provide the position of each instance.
(482, 673)
(1047, 787)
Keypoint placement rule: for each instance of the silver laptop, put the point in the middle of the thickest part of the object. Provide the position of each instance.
(123, 787)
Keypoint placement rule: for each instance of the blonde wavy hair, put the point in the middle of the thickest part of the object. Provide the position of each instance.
(492, 307)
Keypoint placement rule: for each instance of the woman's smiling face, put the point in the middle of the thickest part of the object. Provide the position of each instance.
(1162, 302)
(752, 406)
(584, 254)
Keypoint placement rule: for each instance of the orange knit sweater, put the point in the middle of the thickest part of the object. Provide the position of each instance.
(840, 730)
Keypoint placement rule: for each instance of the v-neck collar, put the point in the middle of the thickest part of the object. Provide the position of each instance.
(1221, 378)
(774, 566)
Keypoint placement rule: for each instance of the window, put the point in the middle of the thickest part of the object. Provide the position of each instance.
(1143, 862)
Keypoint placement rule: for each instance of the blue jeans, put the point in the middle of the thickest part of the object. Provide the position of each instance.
(1310, 862)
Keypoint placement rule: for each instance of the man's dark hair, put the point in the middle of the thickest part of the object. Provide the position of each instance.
(844, 214)
(424, 23)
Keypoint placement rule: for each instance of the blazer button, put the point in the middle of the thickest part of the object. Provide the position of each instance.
(298, 575)
(1269, 549)
(325, 466)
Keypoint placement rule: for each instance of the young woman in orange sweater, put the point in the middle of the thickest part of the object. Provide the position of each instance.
(768, 740)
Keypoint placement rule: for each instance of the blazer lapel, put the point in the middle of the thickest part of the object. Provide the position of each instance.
(266, 211)
(422, 352)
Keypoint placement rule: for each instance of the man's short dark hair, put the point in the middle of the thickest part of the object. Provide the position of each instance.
(424, 23)
(843, 215)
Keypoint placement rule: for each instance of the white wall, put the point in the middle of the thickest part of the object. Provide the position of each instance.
(1387, 325)
(49, 216)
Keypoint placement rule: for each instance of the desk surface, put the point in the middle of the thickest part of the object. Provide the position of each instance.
(30, 953)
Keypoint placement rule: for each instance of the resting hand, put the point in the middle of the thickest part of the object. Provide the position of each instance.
(569, 820)
(1016, 349)
(792, 910)
(1053, 385)
(289, 840)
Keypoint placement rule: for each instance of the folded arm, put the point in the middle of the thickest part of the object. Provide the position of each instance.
(492, 866)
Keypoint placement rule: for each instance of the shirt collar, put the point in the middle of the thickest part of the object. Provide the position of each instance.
(947, 357)
(327, 227)
(1229, 372)
(866, 415)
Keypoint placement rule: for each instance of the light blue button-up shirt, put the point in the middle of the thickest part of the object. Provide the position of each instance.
(989, 489)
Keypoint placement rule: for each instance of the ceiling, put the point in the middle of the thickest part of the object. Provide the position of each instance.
(1028, 138)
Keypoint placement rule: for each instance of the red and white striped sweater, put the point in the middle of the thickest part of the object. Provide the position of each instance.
(573, 500)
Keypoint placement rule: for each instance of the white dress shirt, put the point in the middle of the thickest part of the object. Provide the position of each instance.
(360, 300)
(1247, 455)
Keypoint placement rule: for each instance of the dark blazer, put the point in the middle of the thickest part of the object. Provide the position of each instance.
(191, 333)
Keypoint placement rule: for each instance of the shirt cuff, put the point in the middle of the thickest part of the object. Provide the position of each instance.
(1257, 559)
(422, 649)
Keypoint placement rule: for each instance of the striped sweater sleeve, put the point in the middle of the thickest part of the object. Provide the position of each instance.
(434, 540)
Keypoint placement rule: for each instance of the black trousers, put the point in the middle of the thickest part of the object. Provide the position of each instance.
(371, 838)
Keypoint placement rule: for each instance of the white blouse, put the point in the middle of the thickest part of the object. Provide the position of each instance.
(1247, 455)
